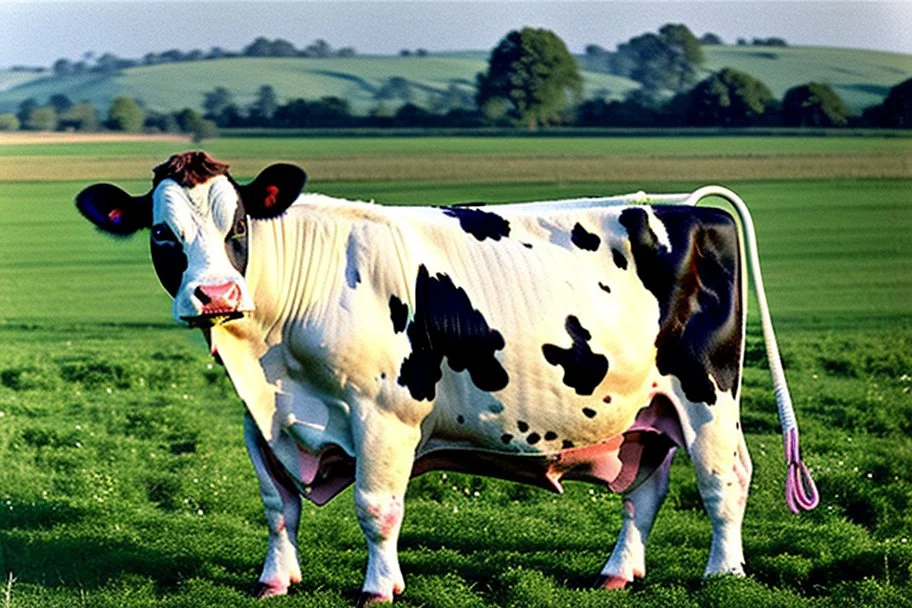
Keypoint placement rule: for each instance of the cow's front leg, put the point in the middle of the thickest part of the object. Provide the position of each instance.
(283, 512)
(385, 455)
(628, 560)
(723, 469)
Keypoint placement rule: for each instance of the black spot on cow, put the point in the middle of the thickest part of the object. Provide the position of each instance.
(604, 287)
(589, 412)
(566, 444)
(480, 224)
(607, 399)
(584, 239)
(533, 438)
(506, 437)
(398, 314)
(527, 245)
(522, 426)
(445, 324)
(550, 436)
(583, 369)
(460, 419)
(697, 284)
(496, 408)
(619, 259)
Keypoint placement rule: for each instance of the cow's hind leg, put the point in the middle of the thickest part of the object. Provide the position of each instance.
(385, 456)
(628, 560)
(723, 469)
(283, 512)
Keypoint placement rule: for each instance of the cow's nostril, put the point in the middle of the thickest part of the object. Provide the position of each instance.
(200, 295)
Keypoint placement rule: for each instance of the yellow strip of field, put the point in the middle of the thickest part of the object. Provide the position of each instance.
(459, 168)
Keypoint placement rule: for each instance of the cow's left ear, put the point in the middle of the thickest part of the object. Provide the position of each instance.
(115, 211)
(273, 191)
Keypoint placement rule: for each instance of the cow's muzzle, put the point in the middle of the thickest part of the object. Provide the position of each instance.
(219, 303)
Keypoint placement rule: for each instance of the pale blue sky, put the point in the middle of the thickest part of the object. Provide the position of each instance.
(36, 32)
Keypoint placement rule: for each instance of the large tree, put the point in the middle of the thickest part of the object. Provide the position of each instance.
(728, 98)
(896, 110)
(126, 115)
(813, 105)
(533, 74)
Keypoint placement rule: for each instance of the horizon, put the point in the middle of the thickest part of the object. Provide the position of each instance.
(31, 31)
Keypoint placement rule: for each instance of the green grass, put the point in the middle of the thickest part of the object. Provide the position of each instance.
(124, 481)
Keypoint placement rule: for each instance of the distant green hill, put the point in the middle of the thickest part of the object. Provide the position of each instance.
(177, 85)
(862, 78)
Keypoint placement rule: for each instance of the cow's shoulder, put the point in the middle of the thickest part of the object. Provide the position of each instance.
(696, 278)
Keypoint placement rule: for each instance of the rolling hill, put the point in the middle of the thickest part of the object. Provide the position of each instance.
(861, 77)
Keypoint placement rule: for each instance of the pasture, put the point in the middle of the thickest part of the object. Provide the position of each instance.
(123, 477)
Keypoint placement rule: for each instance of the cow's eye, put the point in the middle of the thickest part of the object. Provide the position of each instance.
(162, 233)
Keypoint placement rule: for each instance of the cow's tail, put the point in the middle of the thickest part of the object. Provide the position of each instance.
(800, 491)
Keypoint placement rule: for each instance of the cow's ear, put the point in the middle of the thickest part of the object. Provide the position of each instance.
(115, 211)
(273, 191)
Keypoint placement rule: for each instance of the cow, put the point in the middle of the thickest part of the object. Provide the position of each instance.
(586, 339)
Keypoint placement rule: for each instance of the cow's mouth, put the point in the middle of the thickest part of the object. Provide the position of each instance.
(212, 319)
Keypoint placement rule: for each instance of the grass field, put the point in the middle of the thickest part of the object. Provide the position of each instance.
(861, 77)
(124, 481)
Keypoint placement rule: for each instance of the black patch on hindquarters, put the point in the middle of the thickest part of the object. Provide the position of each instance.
(550, 436)
(583, 369)
(604, 287)
(398, 314)
(584, 239)
(619, 259)
(698, 287)
(445, 324)
(480, 224)
(522, 425)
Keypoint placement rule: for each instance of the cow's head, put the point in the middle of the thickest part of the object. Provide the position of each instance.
(198, 218)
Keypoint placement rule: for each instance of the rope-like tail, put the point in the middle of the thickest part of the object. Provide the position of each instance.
(800, 491)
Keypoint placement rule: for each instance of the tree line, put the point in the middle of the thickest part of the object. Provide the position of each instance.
(531, 81)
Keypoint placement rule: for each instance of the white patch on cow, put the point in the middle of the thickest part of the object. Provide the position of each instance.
(658, 228)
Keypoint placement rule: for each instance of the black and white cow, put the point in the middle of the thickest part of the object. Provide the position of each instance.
(585, 339)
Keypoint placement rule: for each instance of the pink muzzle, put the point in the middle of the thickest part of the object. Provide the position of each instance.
(218, 299)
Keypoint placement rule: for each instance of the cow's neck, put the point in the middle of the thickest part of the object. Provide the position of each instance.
(290, 268)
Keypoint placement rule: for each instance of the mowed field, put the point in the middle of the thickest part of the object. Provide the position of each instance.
(123, 477)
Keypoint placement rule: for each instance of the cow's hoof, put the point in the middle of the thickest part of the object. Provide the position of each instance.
(370, 599)
(610, 582)
(263, 590)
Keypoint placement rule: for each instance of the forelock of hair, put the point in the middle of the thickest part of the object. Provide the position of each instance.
(189, 169)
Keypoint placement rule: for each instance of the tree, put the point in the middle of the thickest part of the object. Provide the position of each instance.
(896, 109)
(652, 61)
(533, 72)
(813, 105)
(710, 39)
(9, 122)
(261, 47)
(264, 106)
(678, 36)
(395, 87)
(60, 102)
(43, 118)
(728, 98)
(216, 100)
(25, 109)
(81, 117)
(126, 115)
